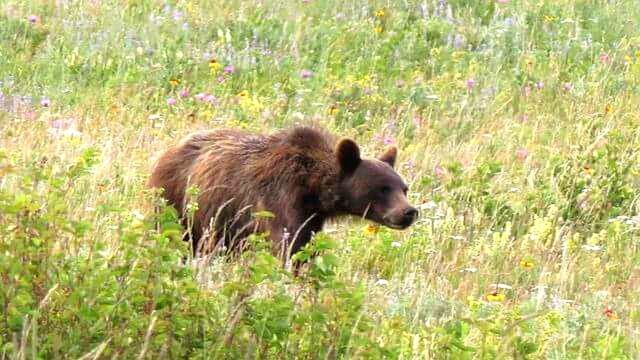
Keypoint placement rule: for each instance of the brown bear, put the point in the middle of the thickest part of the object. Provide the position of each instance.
(303, 176)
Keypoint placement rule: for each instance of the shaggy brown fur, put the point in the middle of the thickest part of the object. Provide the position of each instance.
(303, 176)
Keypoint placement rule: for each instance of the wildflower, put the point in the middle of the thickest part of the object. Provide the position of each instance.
(177, 15)
(593, 248)
(604, 58)
(439, 171)
(524, 118)
(171, 101)
(382, 282)
(220, 79)
(305, 74)
(495, 297)
(395, 244)
(371, 229)
(501, 286)
(608, 108)
(333, 109)
(33, 19)
(458, 42)
(45, 102)
(567, 86)
(229, 69)
(522, 154)
(210, 99)
(539, 85)
(378, 29)
(174, 82)
(184, 93)
(214, 65)
(200, 96)
(379, 13)
(470, 269)
(470, 84)
(608, 312)
(243, 94)
(526, 264)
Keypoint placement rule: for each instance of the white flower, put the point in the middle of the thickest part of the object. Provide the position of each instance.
(470, 269)
(382, 282)
(429, 205)
(457, 237)
(501, 286)
(594, 248)
(395, 244)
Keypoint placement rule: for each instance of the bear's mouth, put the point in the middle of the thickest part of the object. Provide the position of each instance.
(398, 226)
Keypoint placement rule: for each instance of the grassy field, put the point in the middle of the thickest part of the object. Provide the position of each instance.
(517, 123)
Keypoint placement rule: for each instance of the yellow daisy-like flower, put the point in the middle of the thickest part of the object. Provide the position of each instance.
(380, 13)
(214, 65)
(527, 264)
(174, 82)
(243, 94)
(378, 29)
(333, 110)
(371, 229)
(608, 108)
(495, 297)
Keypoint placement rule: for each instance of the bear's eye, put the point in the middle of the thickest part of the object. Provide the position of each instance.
(384, 190)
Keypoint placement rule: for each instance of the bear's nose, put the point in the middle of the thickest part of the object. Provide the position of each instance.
(411, 212)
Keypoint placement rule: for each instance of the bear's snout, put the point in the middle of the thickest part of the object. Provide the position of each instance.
(401, 218)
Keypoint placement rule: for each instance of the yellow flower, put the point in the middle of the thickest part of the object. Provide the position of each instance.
(174, 82)
(214, 65)
(608, 108)
(333, 110)
(243, 93)
(378, 29)
(548, 18)
(380, 13)
(371, 229)
(495, 297)
(527, 264)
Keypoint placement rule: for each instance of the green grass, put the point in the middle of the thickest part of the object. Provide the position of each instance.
(517, 124)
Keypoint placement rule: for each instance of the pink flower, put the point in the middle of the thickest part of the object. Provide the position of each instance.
(522, 154)
(200, 96)
(567, 86)
(171, 101)
(305, 74)
(229, 69)
(210, 99)
(184, 93)
(220, 79)
(45, 102)
(471, 83)
(539, 85)
(439, 171)
(33, 19)
(604, 58)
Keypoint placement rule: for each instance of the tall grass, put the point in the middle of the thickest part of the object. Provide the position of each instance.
(518, 128)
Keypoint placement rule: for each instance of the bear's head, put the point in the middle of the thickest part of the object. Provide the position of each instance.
(371, 188)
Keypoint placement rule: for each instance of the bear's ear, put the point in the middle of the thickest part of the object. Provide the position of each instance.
(348, 155)
(389, 156)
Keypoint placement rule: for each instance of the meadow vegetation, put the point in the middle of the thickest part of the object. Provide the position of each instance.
(517, 123)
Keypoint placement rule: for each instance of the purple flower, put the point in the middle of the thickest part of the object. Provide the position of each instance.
(33, 19)
(604, 58)
(567, 86)
(439, 171)
(470, 84)
(177, 15)
(305, 74)
(229, 69)
(184, 93)
(539, 85)
(200, 96)
(522, 154)
(171, 101)
(45, 102)
(211, 99)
